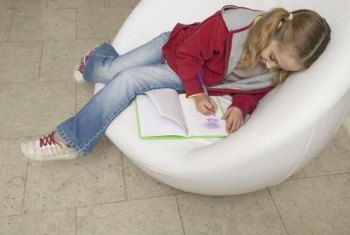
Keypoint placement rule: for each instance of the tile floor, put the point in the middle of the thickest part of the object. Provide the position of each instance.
(105, 193)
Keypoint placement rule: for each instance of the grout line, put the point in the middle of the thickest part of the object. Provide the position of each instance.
(124, 201)
(10, 25)
(25, 187)
(124, 181)
(57, 40)
(88, 205)
(76, 23)
(38, 212)
(40, 61)
(181, 220)
(317, 176)
(39, 81)
(82, 206)
(76, 220)
(278, 212)
(24, 40)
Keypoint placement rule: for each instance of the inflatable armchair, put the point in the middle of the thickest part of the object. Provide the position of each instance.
(289, 128)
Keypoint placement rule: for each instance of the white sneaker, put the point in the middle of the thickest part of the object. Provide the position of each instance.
(46, 148)
(78, 73)
(78, 70)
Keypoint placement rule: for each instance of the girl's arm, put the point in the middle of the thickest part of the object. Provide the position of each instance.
(199, 48)
(242, 104)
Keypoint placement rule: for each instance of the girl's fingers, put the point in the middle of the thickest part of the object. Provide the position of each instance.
(241, 123)
(233, 127)
(233, 124)
(230, 124)
(210, 107)
(214, 105)
(204, 109)
(225, 115)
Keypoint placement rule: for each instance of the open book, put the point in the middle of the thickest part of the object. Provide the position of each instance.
(163, 113)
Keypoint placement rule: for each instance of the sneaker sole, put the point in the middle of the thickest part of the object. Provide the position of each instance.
(61, 157)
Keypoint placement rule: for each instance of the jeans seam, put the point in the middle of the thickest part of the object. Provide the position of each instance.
(68, 142)
(107, 122)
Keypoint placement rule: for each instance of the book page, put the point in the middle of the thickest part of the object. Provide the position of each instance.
(203, 125)
(159, 114)
(167, 104)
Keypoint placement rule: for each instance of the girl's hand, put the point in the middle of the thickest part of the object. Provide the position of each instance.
(203, 105)
(234, 119)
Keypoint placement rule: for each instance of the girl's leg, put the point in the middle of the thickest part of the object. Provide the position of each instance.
(83, 130)
(104, 63)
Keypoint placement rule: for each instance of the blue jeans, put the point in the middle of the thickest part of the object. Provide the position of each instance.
(125, 76)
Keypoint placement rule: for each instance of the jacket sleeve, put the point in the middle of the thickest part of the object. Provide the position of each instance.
(198, 48)
(246, 102)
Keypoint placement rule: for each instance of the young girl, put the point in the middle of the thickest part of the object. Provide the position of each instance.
(239, 51)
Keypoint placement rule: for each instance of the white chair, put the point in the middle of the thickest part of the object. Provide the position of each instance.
(288, 129)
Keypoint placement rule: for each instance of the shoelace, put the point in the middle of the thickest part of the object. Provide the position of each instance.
(83, 61)
(49, 140)
(82, 65)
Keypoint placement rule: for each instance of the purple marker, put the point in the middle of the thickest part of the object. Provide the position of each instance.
(201, 81)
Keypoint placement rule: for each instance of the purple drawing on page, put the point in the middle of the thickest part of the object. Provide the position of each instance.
(211, 123)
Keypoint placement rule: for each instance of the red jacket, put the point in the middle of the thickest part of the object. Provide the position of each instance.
(207, 46)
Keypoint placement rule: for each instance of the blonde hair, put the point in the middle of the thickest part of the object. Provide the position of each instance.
(304, 32)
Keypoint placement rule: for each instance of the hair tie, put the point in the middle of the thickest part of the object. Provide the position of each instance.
(289, 17)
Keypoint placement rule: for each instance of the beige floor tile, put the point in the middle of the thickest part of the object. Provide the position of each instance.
(74, 3)
(60, 57)
(27, 3)
(316, 205)
(98, 178)
(100, 22)
(6, 16)
(27, 25)
(122, 3)
(9, 4)
(145, 217)
(43, 24)
(298, 175)
(21, 62)
(5, 4)
(141, 185)
(252, 213)
(53, 222)
(334, 159)
(30, 109)
(119, 14)
(91, 23)
(13, 168)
